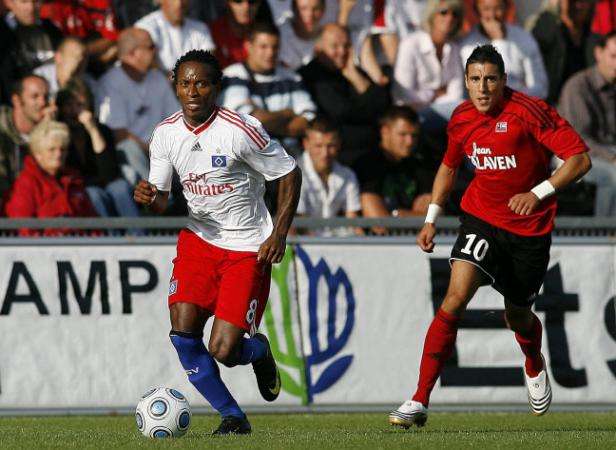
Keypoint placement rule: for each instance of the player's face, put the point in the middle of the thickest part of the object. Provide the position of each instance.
(399, 138)
(310, 13)
(174, 10)
(322, 148)
(485, 85)
(33, 99)
(196, 92)
(491, 10)
(263, 52)
(606, 60)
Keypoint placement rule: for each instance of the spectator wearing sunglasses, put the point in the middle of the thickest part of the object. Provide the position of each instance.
(428, 72)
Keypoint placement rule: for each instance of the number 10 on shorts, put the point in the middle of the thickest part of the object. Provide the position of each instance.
(477, 249)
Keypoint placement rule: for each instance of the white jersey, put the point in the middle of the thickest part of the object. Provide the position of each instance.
(223, 165)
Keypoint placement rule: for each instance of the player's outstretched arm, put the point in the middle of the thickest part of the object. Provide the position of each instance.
(443, 184)
(272, 250)
(573, 169)
(147, 194)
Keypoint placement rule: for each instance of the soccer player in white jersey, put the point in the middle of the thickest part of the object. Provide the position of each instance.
(224, 257)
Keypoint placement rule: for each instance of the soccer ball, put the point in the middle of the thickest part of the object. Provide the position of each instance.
(163, 412)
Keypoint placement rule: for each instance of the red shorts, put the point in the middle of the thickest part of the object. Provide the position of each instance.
(230, 284)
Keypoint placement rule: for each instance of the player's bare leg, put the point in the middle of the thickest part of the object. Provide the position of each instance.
(439, 343)
(228, 345)
(187, 322)
(528, 332)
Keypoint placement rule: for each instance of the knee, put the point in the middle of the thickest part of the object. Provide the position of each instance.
(455, 302)
(223, 351)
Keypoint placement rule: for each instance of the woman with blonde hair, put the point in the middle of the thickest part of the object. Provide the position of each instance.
(46, 187)
(428, 73)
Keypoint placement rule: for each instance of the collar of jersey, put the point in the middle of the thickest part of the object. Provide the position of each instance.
(199, 128)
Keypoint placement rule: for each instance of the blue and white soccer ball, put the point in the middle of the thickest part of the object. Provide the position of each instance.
(163, 412)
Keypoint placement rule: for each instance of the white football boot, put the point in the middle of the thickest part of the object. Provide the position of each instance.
(539, 391)
(408, 414)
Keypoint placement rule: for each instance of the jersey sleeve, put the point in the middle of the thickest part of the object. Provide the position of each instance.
(455, 153)
(161, 169)
(555, 133)
(259, 151)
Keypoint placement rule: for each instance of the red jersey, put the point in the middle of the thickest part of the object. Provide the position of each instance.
(229, 48)
(82, 18)
(510, 150)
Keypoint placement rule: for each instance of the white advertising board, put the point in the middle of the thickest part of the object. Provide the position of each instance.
(87, 327)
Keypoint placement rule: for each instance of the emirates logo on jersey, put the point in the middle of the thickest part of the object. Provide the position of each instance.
(207, 189)
(482, 159)
(197, 184)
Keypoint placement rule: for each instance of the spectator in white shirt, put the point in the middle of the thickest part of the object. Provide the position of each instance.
(173, 33)
(404, 16)
(299, 33)
(133, 98)
(261, 87)
(428, 74)
(523, 61)
(70, 61)
(329, 189)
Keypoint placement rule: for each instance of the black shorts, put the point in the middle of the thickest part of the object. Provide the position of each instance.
(514, 265)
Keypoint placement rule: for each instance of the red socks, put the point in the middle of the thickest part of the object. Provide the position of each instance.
(531, 347)
(440, 339)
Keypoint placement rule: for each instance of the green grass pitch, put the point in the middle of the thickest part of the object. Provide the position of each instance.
(325, 431)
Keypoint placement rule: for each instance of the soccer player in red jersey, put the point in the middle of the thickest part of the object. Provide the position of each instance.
(508, 215)
(224, 255)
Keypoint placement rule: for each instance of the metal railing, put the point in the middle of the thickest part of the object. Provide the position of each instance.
(164, 226)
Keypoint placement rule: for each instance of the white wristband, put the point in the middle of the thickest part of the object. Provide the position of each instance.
(434, 211)
(543, 190)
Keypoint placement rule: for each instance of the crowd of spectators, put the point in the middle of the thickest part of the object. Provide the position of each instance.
(359, 91)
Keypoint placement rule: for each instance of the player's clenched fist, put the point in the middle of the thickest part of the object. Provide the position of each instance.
(145, 193)
(523, 204)
(425, 238)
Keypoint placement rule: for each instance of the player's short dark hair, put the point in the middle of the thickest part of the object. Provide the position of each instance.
(263, 28)
(17, 87)
(486, 54)
(204, 57)
(603, 39)
(399, 112)
(322, 124)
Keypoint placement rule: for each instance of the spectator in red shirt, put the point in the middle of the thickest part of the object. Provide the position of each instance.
(46, 187)
(230, 31)
(94, 21)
